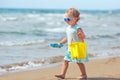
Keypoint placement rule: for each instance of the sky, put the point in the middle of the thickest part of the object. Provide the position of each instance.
(62, 4)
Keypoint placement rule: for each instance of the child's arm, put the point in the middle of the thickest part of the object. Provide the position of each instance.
(64, 40)
(80, 33)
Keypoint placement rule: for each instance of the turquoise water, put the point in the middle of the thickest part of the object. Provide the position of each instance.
(25, 35)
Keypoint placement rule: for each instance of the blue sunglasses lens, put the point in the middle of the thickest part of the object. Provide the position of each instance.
(67, 19)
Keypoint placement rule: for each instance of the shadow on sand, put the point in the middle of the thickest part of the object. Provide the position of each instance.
(92, 79)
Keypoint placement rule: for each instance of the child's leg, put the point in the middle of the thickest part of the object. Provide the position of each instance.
(82, 69)
(64, 67)
(63, 70)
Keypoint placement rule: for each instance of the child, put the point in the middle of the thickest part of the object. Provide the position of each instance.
(74, 34)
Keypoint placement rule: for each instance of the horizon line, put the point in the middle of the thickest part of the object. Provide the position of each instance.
(60, 9)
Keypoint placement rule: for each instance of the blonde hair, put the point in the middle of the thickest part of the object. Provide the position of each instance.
(74, 12)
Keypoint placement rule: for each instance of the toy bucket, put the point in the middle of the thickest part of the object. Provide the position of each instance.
(78, 50)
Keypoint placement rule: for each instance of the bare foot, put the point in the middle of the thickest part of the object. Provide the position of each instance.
(60, 76)
(82, 77)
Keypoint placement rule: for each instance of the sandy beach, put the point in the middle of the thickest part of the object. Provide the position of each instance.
(100, 69)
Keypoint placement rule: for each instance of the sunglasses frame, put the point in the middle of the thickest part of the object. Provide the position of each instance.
(67, 19)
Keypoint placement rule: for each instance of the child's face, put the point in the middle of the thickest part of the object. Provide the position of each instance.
(70, 20)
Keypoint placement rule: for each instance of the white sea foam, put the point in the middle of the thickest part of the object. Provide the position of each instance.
(55, 30)
(9, 18)
(23, 43)
(33, 15)
(25, 66)
(29, 65)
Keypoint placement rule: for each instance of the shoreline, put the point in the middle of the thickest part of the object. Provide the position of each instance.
(97, 69)
(40, 64)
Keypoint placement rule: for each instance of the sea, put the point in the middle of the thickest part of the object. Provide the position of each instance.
(26, 35)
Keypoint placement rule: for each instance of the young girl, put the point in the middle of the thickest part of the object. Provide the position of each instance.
(74, 33)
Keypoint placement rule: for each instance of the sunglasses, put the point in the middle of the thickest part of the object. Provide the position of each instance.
(67, 19)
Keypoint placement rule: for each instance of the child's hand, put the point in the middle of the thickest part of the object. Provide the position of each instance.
(80, 34)
(81, 37)
(56, 45)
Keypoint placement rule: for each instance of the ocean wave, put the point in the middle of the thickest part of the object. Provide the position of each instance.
(12, 32)
(22, 43)
(33, 15)
(18, 66)
(9, 18)
(30, 64)
(55, 30)
(103, 36)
